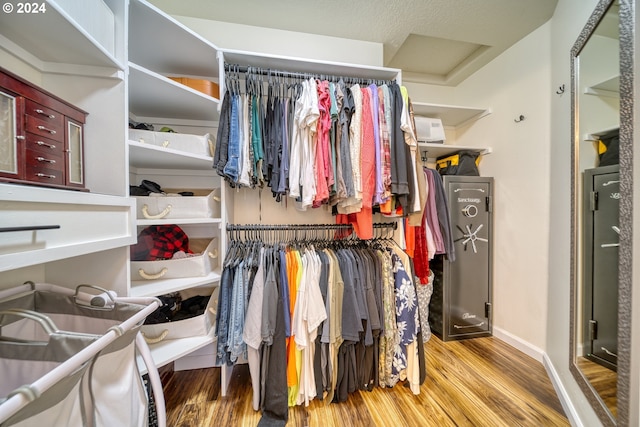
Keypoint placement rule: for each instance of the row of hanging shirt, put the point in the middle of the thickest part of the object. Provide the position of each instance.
(321, 142)
(348, 315)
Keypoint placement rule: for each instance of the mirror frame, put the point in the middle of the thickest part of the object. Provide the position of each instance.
(625, 261)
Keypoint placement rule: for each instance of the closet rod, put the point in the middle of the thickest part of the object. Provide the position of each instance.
(29, 228)
(296, 227)
(280, 73)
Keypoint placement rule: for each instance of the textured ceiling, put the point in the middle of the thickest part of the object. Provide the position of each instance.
(432, 41)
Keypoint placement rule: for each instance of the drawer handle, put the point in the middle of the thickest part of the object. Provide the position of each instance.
(51, 131)
(157, 339)
(148, 276)
(44, 175)
(147, 215)
(213, 254)
(29, 228)
(44, 144)
(42, 113)
(44, 159)
(477, 325)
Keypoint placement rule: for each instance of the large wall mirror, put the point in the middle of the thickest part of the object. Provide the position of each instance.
(599, 124)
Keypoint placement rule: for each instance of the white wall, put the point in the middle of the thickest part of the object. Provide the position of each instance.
(516, 83)
(285, 43)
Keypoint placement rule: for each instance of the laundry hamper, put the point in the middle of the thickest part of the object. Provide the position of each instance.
(104, 373)
(25, 361)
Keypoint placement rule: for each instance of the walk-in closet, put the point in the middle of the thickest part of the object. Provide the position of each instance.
(414, 213)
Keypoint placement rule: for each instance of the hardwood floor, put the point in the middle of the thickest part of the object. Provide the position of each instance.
(603, 380)
(479, 382)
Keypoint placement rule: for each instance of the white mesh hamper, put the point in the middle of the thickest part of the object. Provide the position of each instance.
(112, 390)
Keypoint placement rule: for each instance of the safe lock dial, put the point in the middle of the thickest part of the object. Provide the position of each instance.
(470, 211)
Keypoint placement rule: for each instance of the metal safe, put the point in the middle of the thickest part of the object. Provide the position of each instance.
(460, 305)
(601, 201)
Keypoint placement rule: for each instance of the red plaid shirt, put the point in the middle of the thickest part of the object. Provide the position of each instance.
(158, 242)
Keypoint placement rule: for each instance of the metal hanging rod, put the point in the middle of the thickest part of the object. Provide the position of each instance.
(300, 227)
(29, 228)
(292, 74)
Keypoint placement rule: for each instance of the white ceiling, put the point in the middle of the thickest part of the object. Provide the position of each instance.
(432, 41)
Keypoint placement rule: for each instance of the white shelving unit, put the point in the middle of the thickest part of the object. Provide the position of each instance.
(298, 65)
(434, 151)
(165, 286)
(609, 88)
(157, 99)
(168, 351)
(595, 136)
(152, 95)
(56, 39)
(451, 115)
(75, 213)
(143, 155)
(59, 51)
(160, 43)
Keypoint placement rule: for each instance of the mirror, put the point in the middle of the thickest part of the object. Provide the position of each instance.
(599, 131)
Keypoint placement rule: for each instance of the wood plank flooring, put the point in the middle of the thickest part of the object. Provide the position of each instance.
(603, 380)
(479, 382)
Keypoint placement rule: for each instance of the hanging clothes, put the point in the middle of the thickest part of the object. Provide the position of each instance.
(353, 316)
(348, 145)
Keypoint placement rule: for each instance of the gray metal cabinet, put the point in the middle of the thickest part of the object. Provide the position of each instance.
(462, 289)
(600, 264)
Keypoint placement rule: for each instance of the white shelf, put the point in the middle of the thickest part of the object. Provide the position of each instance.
(451, 115)
(54, 37)
(299, 65)
(154, 95)
(184, 221)
(609, 88)
(435, 151)
(152, 288)
(160, 43)
(75, 212)
(167, 351)
(595, 136)
(149, 156)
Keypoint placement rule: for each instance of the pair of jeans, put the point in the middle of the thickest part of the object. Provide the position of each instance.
(235, 344)
(222, 141)
(232, 168)
(222, 318)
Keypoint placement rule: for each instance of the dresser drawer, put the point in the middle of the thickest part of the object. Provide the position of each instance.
(45, 169)
(44, 113)
(44, 145)
(44, 128)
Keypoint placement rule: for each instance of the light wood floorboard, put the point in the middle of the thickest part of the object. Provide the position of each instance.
(479, 382)
(603, 380)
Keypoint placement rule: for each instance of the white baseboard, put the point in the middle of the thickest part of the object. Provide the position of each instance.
(514, 341)
(569, 409)
(539, 355)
